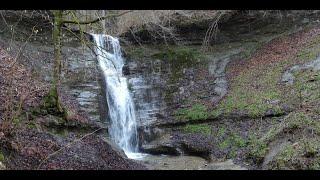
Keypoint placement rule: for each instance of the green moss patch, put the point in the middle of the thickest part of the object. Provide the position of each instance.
(257, 149)
(251, 95)
(180, 57)
(196, 112)
(233, 140)
(198, 128)
(232, 143)
(1, 157)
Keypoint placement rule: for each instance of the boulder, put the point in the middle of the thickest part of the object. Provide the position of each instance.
(157, 149)
(195, 150)
(161, 145)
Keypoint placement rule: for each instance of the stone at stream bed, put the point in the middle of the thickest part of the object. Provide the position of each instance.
(226, 165)
(187, 163)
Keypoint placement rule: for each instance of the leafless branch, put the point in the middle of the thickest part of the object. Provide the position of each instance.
(98, 19)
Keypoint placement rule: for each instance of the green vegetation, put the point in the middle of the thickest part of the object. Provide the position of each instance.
(50, 100)
(303, 154)
(296, 123)
(307, 54)
(306, 87)
(293, 121)
(215, 113)
(285, 156)
(181, 55)
(196, 112)
(252, 96)
(224, 144)
(16, 121)
(303, 123)
(1, 157)
(198, 128)
(257, 149)
(238, 141)
(253, 91)
(221, 131)
(233, 140)
(311, 50)
(177, 55)
(49, 106)
(315, 164)
(32, 125)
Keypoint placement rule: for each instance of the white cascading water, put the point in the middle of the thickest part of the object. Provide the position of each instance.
(123, 129)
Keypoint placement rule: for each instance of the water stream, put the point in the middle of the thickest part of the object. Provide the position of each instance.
(123, 128)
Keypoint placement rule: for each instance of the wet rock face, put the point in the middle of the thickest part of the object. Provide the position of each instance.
(147, 85)
(153, 91)
(217, 68)
(160, 87)
(83, 81)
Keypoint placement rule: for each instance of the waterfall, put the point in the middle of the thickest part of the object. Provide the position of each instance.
(123, 128)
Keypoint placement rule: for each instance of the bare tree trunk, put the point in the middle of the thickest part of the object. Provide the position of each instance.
(56, 36)
(103, 22)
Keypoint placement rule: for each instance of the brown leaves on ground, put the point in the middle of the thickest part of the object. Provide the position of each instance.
(18, 89)
(276, 50)
(40, 150)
